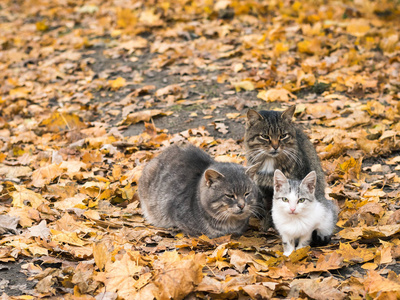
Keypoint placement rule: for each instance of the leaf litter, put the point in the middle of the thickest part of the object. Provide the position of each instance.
(91, 92)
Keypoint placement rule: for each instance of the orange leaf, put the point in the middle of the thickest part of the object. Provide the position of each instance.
(62, 121)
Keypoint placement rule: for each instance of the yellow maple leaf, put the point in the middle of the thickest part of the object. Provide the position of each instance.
(246, 85)
(101, 255)
(42, 25)
(117, 83)
(23, 197)
(66, 237)
(358, 255)
(358, 27)
(120, 276)
(309, 46)
(62, 121)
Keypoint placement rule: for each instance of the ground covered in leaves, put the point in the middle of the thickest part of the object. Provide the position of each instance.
(91, 90)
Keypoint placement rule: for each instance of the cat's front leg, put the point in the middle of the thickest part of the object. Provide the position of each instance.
(303, 241)
(288, 246)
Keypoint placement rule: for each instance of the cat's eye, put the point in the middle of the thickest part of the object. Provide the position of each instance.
(265, 137)
(284, 199)
(247, 194)
(284, 136)
(301, 200)
(230, 196)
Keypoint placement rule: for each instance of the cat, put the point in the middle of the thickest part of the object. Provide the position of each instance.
(298, 215)
(272, 141)
(184, 187)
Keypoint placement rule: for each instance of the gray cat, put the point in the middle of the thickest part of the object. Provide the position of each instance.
(184, 187)
(273, 141)
(297, 215)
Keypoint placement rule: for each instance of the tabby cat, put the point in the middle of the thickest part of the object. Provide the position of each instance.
(184, 187)
(298, 215)
(273, 141)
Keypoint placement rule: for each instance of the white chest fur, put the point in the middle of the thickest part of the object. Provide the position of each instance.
(268, 167)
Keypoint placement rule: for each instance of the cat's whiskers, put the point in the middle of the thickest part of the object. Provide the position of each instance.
(257, 211)
(292, 154)
(255, 154)
(221, 218)
(255, 160)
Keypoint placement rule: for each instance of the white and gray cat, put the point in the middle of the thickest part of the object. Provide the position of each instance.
(300, 216)
(185, 188)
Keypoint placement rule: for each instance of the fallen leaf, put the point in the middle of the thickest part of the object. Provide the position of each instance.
(8, 224)
(276, 95)
(41, 230)
(317, 289)
(142, 116)
(243, 85)
(23, 197)
(117, 83)
(62, 121)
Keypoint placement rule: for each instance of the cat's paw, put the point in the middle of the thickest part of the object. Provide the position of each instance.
(287, 253)
(319, 240)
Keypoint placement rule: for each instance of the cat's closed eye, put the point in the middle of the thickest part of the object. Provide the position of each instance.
(265, 137)
(284, 136)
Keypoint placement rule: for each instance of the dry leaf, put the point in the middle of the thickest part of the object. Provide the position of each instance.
(276, 95)
(8, 224)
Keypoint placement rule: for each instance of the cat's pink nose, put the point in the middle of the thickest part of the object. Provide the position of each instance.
(240, 205)
(292, 209)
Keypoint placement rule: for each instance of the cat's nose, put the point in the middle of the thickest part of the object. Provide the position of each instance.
(275, 145)
(240, 205)
(292, 209)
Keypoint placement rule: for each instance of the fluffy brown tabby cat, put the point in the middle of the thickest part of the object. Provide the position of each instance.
(184, 187)
(273, 141)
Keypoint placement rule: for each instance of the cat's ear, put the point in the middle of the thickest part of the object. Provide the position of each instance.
(310, 181)
(279, 180)
(212, 176)
(251, 171)
(253, 117)
(288, 113)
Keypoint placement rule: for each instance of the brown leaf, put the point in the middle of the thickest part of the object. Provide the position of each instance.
(172, 89)
(83, 278)
(318, 289)
(120, 276)
(45, 175)
(180, 276)
(258, 291)
(142, 116)
(376, 284)
(239, 259)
